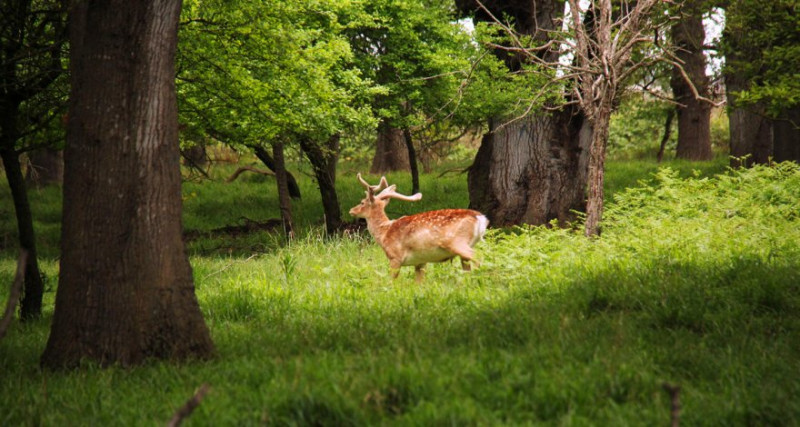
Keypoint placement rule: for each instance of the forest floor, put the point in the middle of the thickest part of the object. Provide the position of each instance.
(690, 296)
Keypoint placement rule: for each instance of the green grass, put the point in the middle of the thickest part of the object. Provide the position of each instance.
(695, 281)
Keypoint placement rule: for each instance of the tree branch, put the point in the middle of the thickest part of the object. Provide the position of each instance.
(248, 168)
(184, 411)
(675, 403)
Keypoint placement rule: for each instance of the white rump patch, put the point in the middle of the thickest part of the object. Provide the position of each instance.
(480, 229)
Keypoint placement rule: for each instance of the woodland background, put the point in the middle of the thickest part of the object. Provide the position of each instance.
(177, 172)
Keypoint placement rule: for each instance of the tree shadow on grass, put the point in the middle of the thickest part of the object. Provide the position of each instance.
(602, 342)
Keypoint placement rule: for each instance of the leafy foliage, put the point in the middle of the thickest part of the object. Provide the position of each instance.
(638, 125)
(33, 80)
(764, 34)
(250, 72)
(414, 50)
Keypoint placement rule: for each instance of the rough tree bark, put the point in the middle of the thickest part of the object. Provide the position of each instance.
(391, 153)
(125, 292)
(694, 115)
(597, 161)
(750, 130)
(323, 162)
(534, 169)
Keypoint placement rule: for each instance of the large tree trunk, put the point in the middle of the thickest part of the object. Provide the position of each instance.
(31, 305)
(534, 169)
(125, 291)
(323, 162)
(750, 129)
(391, 152)
(694, 115)
(46, 168)
(786, 136)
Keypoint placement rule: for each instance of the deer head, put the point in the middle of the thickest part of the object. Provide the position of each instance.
(372, 207)
(432, 236)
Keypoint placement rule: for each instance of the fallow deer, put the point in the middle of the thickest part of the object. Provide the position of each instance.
(433, 236)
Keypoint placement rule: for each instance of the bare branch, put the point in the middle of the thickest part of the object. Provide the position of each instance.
(184, 411)
(246, 169)
(688, 80)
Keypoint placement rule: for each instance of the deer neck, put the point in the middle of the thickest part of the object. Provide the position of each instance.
(377, 224)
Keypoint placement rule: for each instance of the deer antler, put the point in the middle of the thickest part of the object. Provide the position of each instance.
(373, 188)
(390, 193)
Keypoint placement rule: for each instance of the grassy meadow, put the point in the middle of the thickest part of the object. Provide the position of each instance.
(695, 282)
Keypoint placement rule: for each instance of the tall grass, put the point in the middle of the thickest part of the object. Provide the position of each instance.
(695, 281)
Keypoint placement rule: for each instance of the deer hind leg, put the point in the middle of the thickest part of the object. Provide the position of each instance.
(465, 252)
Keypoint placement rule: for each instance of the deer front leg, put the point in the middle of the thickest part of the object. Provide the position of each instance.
(394, 268)
(465, 265)
(419, 271)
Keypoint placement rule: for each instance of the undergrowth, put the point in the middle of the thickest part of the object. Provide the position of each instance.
(694, 281)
